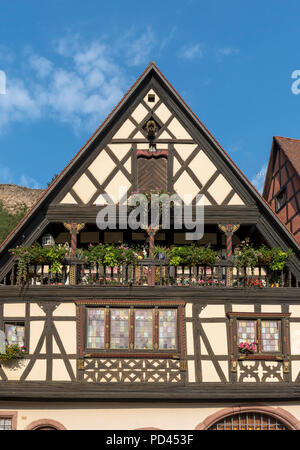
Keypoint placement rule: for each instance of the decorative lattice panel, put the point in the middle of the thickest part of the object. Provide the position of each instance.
(133, 370)
(260, 371)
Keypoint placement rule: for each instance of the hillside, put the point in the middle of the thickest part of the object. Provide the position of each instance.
(14, 198)
(14, 203)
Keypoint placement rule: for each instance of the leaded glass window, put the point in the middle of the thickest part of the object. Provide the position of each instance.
(119, 337)
(144, 329)
(95, 334)
(167, 328)
(15, 334)
(131, 329)
(5, 423)
(246, 331)
(270, 336)
(264, 332)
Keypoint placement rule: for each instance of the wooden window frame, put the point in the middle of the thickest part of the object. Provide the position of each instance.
(277, 206)
(12, 415)
(282, 318)
(131, 352)
(151, 98)
(16, 322)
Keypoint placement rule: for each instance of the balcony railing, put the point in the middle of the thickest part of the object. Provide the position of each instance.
(151, 272)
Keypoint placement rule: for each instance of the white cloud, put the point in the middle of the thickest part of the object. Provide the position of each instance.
(259, 179)
(6, 56)
(42, 65)
(8, 177)
(79, 90)
(226, 51)
(138, 51)
(192, 52)
(18, 104)
(81, 83)
(27, 181)
(168, 38)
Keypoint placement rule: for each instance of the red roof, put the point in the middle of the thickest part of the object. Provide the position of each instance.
(291, 148)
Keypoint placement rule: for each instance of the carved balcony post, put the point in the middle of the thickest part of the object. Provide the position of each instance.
(229, 229)
(74, 229)
(151, 233)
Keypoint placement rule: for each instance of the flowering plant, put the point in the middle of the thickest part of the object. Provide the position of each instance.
(211, 282)
(36, 254)
(255, 282)
(245, 255)
(245, 347)
(110, 255)
(13, 351)
(191, 255)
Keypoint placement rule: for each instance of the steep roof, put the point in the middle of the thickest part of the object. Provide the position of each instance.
(291, 149)
(151, 70)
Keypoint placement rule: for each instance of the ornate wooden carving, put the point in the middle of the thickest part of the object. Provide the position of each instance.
(134, 370)
(260, 371)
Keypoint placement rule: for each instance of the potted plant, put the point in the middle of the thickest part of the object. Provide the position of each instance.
(245, 255)
(160, 252)
(279, 258)
(247, 349)
(13, 352)
(255, 282)
(264, 255)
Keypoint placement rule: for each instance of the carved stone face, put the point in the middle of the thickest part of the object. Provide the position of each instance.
(151, 128)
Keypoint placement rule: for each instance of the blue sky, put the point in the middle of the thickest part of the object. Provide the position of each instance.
(68, 63)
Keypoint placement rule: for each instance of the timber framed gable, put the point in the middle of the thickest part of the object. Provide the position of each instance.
(196, 164)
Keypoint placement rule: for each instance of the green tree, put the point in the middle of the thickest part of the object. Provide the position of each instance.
(8, 221)
(53, 178)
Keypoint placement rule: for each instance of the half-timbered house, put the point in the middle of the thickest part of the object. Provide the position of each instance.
(282, 183)
(150, 344)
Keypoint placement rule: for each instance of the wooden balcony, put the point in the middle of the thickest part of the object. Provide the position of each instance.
(152, 273)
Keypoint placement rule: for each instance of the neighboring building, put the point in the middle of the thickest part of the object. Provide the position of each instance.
(282, 183)
(150, 346)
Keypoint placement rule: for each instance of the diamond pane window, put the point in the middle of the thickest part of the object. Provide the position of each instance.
(95, 334)
(15, 334)
(5, 423)
(270, 335)
(246, 331)
(167, 328)
(144, 329)
(119, 337)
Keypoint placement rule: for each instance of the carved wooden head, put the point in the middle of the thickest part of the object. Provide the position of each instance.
(151, 128)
